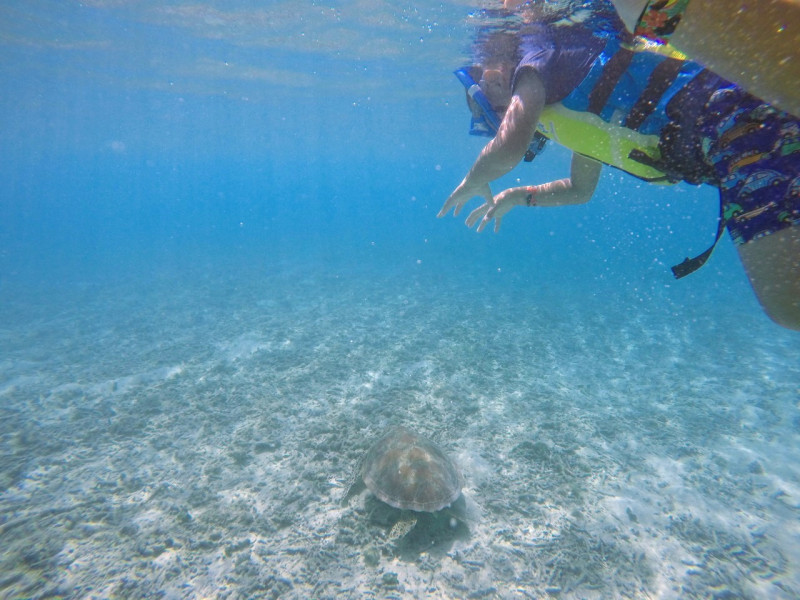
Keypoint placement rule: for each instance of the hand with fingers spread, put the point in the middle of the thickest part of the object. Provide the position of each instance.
(502, 203)
(463, 194)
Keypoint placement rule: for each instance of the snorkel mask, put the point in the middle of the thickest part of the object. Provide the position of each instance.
(485, 120)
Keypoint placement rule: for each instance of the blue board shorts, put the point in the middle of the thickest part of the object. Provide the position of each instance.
(755, 152)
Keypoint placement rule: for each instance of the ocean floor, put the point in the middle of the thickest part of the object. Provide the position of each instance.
(194, 437)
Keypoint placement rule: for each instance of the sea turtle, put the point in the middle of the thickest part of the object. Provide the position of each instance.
(410, 473)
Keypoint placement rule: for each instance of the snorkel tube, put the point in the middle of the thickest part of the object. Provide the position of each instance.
(488, 123)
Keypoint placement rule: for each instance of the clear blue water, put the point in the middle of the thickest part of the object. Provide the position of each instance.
(221, 276)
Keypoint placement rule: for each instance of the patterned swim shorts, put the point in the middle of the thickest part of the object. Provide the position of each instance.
(755, 151)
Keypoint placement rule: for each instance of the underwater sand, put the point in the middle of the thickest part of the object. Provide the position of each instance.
(193, 437)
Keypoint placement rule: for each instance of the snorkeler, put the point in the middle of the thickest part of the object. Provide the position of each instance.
(658, 118)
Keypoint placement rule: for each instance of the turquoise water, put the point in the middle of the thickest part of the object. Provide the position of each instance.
(221, 277)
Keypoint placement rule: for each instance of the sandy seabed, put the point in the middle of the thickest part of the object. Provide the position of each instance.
(195, 439)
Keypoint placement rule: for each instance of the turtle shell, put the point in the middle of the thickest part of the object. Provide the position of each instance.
(409, 472)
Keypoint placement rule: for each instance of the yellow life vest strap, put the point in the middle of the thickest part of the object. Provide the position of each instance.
(589, 135)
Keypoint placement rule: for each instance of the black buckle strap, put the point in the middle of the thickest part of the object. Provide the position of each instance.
(690, 265)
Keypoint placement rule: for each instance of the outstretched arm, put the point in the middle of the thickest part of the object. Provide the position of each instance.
(508, 147)
(576, 189)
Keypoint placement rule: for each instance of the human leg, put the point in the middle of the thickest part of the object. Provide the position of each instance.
(772, 264)
(755, 151)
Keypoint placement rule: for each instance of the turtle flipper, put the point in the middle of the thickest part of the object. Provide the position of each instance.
(354, 489)
(402, 526)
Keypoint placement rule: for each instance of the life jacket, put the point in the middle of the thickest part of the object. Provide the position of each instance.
(617, 114)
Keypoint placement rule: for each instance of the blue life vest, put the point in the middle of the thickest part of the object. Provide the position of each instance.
(631, 89)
